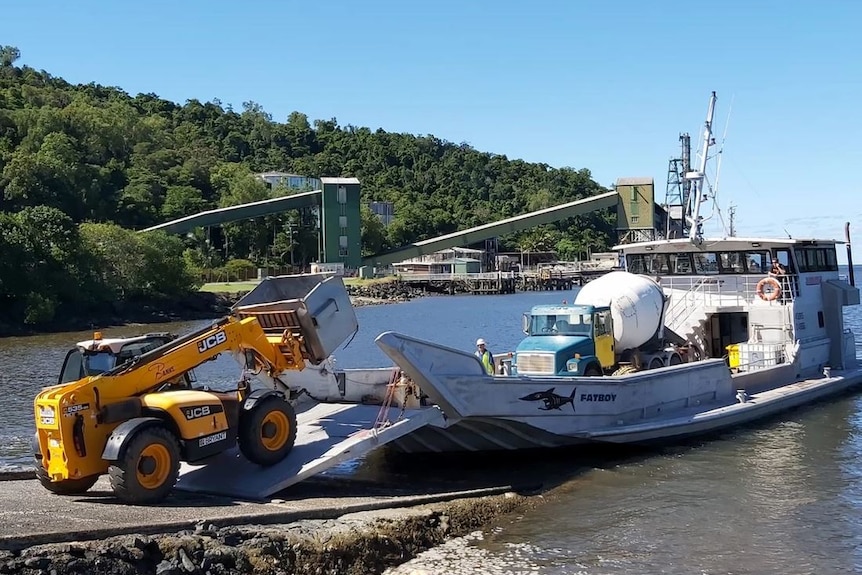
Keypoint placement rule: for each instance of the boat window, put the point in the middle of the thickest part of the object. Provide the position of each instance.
(635, 264)
(706, 263)
(651, 264)
(819, 258)
(783, 257)
(816, 259)
(757, 262)
(731, 262)
(659, 265)
(680, 263)
(802, 261)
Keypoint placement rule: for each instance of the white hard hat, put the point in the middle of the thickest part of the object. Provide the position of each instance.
(480, 341)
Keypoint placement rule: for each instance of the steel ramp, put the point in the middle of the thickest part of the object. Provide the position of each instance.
(327, 434)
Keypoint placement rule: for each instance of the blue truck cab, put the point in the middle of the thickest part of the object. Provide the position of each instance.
(565, 340)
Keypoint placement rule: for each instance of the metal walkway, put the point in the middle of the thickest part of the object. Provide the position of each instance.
(494, 229)
(240, 212)
(462, 238)
(327, 434)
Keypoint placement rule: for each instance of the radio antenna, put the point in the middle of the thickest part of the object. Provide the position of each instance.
(698, 178)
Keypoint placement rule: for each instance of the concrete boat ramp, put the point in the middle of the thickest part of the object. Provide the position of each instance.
(29, 515)
(231, 491)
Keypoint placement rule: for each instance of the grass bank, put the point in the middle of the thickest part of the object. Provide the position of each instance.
(239, 287)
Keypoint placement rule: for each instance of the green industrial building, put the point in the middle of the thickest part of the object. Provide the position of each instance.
(638, 216)
(340, 222)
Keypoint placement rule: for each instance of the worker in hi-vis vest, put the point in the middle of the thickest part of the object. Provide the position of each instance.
(485, 356)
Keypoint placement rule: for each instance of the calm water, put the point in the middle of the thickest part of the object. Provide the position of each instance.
(781, 497)
(29, 363)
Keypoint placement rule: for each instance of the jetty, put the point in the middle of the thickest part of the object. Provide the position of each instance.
(474, 283)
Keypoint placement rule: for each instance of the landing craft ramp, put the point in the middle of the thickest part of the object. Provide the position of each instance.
(327, 434)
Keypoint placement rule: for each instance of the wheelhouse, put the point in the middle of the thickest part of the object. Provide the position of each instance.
(723, 295)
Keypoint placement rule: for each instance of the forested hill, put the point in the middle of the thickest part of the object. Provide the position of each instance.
(101, 156)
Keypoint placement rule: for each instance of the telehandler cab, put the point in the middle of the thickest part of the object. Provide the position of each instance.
(127, 407)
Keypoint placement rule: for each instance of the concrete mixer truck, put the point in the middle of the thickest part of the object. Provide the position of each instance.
(615, 325)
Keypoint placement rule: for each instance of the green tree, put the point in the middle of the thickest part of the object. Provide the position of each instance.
(9, 55)
(43, 250)
(110, 163)
(373, 232)
(182, 201)
(134, 265)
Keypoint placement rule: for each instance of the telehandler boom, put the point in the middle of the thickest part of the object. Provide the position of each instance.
(128, 407)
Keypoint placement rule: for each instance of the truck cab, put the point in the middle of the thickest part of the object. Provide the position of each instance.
(565, 340)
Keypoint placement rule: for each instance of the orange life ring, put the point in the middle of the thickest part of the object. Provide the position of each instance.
(772, 295)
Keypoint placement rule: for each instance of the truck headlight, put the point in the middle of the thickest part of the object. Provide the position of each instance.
(572, 365)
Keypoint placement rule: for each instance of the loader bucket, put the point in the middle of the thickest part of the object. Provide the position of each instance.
(315, 307)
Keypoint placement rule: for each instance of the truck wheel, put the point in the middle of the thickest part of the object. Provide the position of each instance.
(148, 468)
(592, 370)
(66, 487)
(656, 363)
(267, 432)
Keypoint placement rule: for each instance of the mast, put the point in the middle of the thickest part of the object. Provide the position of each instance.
(732, 232)
(697, 179)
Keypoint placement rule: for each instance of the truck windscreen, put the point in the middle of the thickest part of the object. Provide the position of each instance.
(562, 324)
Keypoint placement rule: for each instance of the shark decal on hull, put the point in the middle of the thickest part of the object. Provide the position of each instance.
(550, 399)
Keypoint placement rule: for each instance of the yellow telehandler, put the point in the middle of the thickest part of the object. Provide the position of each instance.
(129, 408)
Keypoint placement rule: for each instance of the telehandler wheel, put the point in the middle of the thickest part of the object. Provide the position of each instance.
(592, 370)
(268, 431)
(149, 467)
(67, 487)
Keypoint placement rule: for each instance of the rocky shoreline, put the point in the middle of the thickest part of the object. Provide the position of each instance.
(356, 543)
(383, 293)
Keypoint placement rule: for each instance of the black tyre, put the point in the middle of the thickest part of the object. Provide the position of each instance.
(675, 359)
(148, 468)
(592, 370)
(67, 487)
(656, 363)
(268, 431)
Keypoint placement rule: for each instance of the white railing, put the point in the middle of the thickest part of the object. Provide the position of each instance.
(682, 305)
(692, 294)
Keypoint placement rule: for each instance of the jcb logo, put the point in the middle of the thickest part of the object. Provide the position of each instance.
(212, 341)
(196, 412)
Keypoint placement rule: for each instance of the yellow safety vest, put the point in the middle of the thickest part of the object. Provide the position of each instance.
(488, 361)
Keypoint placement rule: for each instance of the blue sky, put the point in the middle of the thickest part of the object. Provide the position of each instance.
(603, 85)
